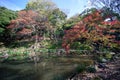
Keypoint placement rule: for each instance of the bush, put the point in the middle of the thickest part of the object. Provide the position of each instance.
(80, 46)
(91, 69)
(108, 56)
(80, 68)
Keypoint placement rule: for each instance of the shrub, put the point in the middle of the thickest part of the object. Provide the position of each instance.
(91, 69)
(108, 56)
(80, 68)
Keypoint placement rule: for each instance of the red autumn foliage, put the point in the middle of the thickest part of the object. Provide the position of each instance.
(25, 31)
(23, 24)
(92, 28)
(24, 18)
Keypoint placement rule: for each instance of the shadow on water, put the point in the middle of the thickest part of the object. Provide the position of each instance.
(17, 72)
(48, 69)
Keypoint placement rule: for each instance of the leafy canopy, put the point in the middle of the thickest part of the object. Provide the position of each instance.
(6, 16)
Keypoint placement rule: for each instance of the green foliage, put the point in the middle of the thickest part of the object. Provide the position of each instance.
(1, 30)
(108, 56)
(80, 46)
(103, 57)
(55, 45)
(57, 18)
(40, 5)
(20, 52)
(80, 68)
(91, 69)
(71, 22)
(6, 16)
(43, 7)
(16, 44)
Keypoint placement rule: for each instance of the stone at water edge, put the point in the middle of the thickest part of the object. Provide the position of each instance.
(104, 60)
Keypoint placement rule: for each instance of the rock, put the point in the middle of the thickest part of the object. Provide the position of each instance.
(5, 56)
(104, 60)
(101, 65)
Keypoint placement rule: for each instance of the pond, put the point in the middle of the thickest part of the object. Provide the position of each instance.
(56, 68)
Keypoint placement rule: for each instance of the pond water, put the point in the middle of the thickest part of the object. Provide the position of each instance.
(59, 68)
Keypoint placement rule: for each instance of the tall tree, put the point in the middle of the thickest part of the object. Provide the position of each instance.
(56, 20)
(54, 16)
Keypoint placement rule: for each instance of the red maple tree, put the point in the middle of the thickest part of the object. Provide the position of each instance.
(26, 24)
(93, 28)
